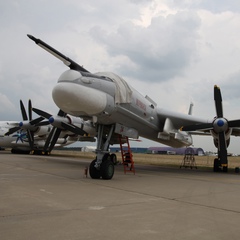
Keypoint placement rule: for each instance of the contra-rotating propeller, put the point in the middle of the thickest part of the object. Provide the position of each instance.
(219, 126)
(59, 123)
(27, 124)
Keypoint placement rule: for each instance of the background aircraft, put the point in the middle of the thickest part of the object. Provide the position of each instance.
(36, 136)
(115, 107)
(19, 141)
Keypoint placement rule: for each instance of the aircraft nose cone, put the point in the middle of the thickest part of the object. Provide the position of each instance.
(76, 99)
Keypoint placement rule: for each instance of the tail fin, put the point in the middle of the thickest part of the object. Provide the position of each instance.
(190, 109)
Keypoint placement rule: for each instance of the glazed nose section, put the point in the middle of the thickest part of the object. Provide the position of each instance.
(77, 99)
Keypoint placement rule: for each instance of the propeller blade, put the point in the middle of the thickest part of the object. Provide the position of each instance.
(218, 101)
(45, 148)
(36, 121)
(30, 109)
(44, 123)
(234, 123)
(30, 134)
(73, 128)
(54, 139)
(12, 130)
(61, 113)
(24, 114)
(203, 126)
(42, 113)
(30, 138)
(222, 153)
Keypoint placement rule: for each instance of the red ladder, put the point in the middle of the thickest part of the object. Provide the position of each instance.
(127, 159)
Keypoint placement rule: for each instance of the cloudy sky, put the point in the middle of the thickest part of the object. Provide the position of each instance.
(175, 51)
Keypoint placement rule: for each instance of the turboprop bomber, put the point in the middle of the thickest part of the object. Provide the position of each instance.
(116, 108)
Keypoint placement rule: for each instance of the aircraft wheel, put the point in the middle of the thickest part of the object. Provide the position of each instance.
(113, 158)
(37, 152)
(225, 169)
(94, 173)
(16, 151)
(216, 165)
(107, 169)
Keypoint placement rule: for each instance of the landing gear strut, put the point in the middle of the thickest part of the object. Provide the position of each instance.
(216, 165)
(220, 164)
(103, 165)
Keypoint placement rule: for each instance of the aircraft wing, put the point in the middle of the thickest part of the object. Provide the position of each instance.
(236, 132)
(12, 123)
(201, 133)
(9, 124)
(171, 120)
(178, 120)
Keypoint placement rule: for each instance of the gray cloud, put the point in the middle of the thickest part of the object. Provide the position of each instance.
(172, 52)
(231, 87)
(162, 50)
(213, 6)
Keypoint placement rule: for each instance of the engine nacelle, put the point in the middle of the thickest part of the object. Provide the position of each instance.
(86, 126)
(227, 137)
(42, 130)
(184, 138)
(62, 141)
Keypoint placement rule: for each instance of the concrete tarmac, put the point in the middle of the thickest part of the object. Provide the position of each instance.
(49, 197)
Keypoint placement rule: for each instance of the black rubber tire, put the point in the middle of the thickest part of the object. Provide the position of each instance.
(17, 151)
(216, 165)
(93, 172)
(107, 169)
(113, 158)
(225, 169)
(46, 153)
(39, 152)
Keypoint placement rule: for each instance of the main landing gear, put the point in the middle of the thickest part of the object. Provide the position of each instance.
(103, 165)
(218, 166)
(221, 163)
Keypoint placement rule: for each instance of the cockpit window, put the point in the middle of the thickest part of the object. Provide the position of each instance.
(69, 75)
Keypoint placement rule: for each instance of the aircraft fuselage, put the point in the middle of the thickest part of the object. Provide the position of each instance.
(108, 99)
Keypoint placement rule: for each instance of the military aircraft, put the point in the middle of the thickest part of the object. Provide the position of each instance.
(35, 135)
(18, 141)
(116, 108)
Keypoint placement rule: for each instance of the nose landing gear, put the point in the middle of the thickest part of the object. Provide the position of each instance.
(103, 166)
(106, 169)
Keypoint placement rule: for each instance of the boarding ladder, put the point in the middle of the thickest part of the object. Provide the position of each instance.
(189, 159)
(126, 153)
